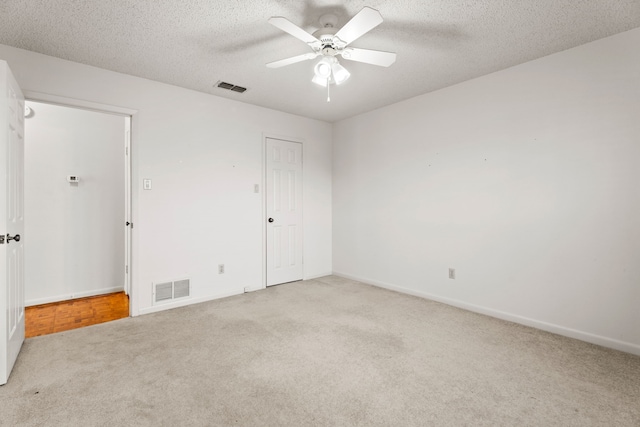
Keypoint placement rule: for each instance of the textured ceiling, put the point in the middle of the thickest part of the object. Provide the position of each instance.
(195, 43)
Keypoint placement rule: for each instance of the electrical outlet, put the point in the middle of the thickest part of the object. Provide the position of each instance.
(220, 268)
(452, 273)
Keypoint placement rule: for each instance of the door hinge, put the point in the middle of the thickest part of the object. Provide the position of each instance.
(126, 151)
(129, 224)
(1, 239)
(126, 269)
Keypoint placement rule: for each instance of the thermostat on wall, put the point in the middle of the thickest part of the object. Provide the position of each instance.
(73, 178)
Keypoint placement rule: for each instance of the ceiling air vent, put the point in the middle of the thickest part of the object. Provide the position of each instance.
(229, 86)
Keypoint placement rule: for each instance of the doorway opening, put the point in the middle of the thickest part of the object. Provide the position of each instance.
(77, 201)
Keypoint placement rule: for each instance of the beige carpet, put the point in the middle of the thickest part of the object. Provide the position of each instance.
(325, 352)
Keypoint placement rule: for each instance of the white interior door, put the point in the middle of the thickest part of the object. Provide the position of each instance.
(283, 194)
(127, 207)
(11, 221)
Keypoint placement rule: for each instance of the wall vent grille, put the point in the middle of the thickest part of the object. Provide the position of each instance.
(181, 288)
(164, 292)
(230, 86)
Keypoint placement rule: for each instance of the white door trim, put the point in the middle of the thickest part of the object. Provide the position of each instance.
(127, 209)
(78, 103)
(130, 166)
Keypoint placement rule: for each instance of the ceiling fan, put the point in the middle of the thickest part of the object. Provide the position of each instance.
(328, 42)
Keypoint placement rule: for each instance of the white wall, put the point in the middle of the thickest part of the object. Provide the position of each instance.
(525, 181)
(75, 230)
(204, 155)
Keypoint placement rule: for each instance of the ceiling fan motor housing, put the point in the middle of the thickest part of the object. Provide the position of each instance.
(328, 40)
(328, 50)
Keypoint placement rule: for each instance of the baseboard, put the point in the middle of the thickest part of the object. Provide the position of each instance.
(188, 301)
(317, 276)
(548, 327)
(73, 295)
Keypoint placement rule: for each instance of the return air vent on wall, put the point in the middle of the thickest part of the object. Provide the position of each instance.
(229, 86)
(164, 292)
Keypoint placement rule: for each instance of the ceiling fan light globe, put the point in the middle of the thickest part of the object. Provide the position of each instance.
(320, 80)
(322, 69)
(340, 74)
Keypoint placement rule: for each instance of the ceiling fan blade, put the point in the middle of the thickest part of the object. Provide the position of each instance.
(374, 57)
(289, 27)
(292, 60)
(364, 21)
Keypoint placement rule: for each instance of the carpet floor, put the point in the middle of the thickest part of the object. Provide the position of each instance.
(323, 352)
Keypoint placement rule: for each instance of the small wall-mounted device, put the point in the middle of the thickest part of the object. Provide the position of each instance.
(73, 178)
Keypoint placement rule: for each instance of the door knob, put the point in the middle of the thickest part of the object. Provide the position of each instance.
(16, 238)
(270, 219)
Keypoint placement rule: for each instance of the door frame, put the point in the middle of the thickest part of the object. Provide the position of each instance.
(130, 189)
(263, 211)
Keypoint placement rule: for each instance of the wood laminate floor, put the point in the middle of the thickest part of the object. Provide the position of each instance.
(65, 315)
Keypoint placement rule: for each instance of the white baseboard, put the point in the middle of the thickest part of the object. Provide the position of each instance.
(188, 301)
(73, 295)
(317, 276)
(549, 327)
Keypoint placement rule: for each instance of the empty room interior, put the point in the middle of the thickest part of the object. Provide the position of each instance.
(444, 229)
